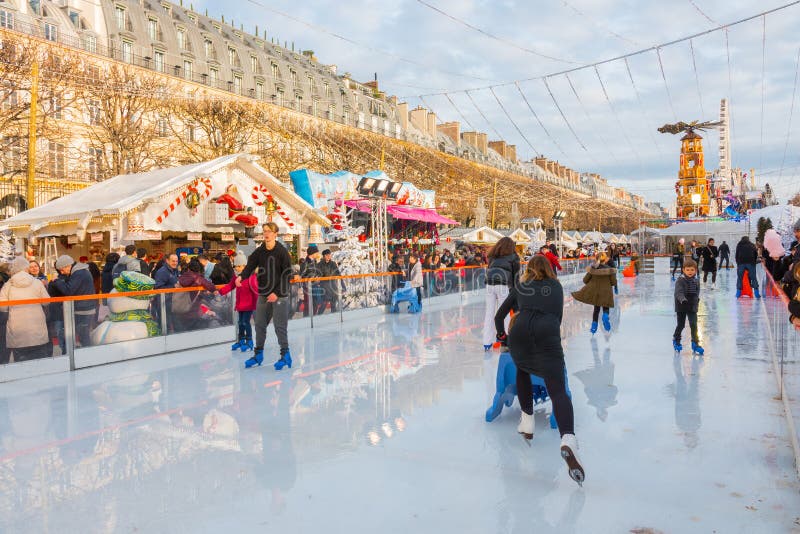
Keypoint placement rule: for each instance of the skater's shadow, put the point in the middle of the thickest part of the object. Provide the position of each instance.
(598, 382)
(686, 392)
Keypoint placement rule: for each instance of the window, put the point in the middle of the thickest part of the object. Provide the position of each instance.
(56, 161)
(237, 85)
(75, 18)
(275, 72)
(93, 72)
(293, 75)
(15, 157)
(208, 46)
(213, 76)
(93, 112)
(259, 91)
(50, 32)
(279, 99)
(193, 18)
(327, 90)
(90, 43)
(10, 100)
(55, 107)
(298, 102)
(331, 111)
(162, 128)
(191, 134)
(158, 61)
(233, 57)
(6, 19)
(153, 30)
(181, 37)
(314, 107)
(95, 164)
(121, 16)
(187, 69)
(127, 51)
(254, 65)
(310, 84)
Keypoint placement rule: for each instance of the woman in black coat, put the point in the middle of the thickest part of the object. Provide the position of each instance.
(107, 280)
(709, 253)
(534, 341)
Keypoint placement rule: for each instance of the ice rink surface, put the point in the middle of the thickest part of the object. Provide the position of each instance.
(379, 427)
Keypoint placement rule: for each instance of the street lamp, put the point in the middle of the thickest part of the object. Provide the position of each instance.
(558, 218)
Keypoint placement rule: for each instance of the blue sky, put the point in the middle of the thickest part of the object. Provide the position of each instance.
(616, 137)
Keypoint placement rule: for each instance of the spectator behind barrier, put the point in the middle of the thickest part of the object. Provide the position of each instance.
(74, 279)
(106, 277)
(128, 262)
(25, 326)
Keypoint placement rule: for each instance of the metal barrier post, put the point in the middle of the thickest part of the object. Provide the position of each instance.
(310, 303)
(69, 332)
(340, 285)
(162, 304)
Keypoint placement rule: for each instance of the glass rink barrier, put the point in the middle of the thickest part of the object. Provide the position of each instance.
(42, 336)
(784, 348)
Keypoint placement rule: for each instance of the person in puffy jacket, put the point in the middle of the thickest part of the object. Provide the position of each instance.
(600, 283)
(246, 300)
(552, 258)
(746, 259)
(501, 275)
(128, 262)
(74, 279)
(25, 326)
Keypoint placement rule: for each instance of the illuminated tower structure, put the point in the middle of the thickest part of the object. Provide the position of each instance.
(692, 186)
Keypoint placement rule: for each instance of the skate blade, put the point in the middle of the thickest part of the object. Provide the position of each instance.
(573, 467)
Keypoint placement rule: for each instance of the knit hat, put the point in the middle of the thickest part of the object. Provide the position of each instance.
(326, 252)
(64, 261)
(796, 227)
(312, 249)
(18, 265)
(239, 259)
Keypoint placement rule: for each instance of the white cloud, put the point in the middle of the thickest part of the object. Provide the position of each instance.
(623, 146)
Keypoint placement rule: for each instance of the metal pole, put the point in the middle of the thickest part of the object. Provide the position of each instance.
(30, 194)
(162, 303)
(311, 303)
(69, 332)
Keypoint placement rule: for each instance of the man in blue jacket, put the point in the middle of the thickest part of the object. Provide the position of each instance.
(75, 279)
(167, 275)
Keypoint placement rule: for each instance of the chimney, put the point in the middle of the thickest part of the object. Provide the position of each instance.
(511, 153)
(483, 141)
(432, 124)
(419, 119)
(499, 147)
(402, 115)
(451, 130)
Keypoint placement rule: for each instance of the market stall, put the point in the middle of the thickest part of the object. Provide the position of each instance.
(205, 207)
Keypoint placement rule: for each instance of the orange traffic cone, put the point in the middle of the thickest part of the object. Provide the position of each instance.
(747, 289)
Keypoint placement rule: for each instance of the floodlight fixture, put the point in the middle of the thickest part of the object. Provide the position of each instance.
(696, 198)
(394, 190)
(559, 215)
(381, 186)
(365, 186)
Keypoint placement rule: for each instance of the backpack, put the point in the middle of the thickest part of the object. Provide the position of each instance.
(183, 302)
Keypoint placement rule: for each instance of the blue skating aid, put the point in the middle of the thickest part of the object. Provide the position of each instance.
(506, 389)
(405, 293)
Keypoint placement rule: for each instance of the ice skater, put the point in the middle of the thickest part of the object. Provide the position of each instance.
(600, 285)
(687, 298)
(500, 277)
(709, 253)
(246, 300)
(273, 267)
(677, 257)
(534, 342)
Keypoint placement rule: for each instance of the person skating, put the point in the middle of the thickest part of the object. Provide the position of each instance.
(687, 298)
(274, 266)
(677, 257)
(534, 342)
(600, 285)
(709, 254)
(500, 277)
(746, 258)
(725, 255)
(246, 300)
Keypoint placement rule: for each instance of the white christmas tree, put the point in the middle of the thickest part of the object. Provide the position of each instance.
(7, 248)
(784, 227)
(353, 258)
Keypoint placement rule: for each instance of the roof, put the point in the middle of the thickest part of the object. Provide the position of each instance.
(123, 193)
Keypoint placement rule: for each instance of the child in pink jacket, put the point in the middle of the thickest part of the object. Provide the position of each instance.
(246, 298)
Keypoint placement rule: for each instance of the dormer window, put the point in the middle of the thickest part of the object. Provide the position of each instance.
(121, 16)
(181, 37)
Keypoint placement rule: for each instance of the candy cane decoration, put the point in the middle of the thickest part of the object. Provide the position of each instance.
(261, 190)
(183, 194)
